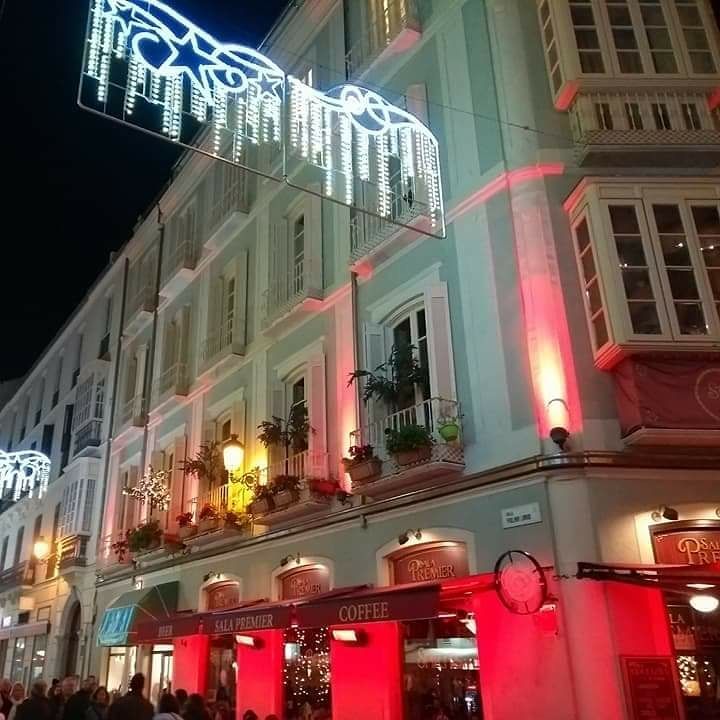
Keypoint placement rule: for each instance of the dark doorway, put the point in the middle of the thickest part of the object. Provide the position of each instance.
(73, 641)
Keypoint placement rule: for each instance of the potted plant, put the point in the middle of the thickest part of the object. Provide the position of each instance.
(263, 502)
(449, 427)
(208, 518)
(394, 382)
(362, 465)
(172, 543)
(286, 490)
(186, 528)
(320, 486)
(235, 520)
(121, 547)
(145, 537)
(409, 444)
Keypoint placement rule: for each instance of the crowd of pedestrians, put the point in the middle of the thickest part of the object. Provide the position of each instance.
(75, 700)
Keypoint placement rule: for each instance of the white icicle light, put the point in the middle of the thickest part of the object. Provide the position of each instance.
(24, 473)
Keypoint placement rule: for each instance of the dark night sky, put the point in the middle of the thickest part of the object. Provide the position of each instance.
(73, 184)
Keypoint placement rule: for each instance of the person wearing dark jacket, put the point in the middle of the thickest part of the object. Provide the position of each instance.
(77, 705)
(132, 706)
(5, 701)
(37, 706)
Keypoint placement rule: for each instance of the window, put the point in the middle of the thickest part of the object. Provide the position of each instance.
(37, 530)
(633, 116)
(24, 419)
(78, 360)
(89, 504)
(650, 267)
(83, 403)
(412, 331)
(37, 664)
(47, 439)
(18, 545)
(695, 37)
(552, 56)
(307, 77)
(70, 499)
(298, 254)
(691, 117)
(624, 37)
(4, 552)
(661, 116)
(17, 664)
(58, 380)
(100, 399)
(39, 401)
(587, 39)
(107, 321)
(658, 37)
(66, 436)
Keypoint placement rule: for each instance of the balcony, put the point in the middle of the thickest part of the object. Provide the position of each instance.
(221, 346)
(109, 562)
(622, 129)
(172, 383)
(228, 204)
(73, 551)
(140, 308)
(376, 238)
(21, 575)
(297, 291)
(231, 497)
(395, 31)
(179, 268)
(314, 494)
(104, 351)
(88, 438)
(398, 474)
(132, 412)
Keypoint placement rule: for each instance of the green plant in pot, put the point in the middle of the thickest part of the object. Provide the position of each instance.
(208, 518)
(236, 520)
(409, 444)
(144, 537)
(186, 528)
(448, 427)
(207, 466)
(263, 502)
(362, 465)
(285, 489)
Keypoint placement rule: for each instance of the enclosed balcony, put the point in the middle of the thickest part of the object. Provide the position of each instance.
(73, 551)
(295, 291)
(221, 345)
(172, 383)
(433, 448)
(623, 129)
(391, 28)
(179, 267)
(111, 558)
(21, 575)
(88, 438)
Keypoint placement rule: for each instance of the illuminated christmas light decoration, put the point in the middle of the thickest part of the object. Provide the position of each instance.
(247, 99)
(25, 472)
(152, 489)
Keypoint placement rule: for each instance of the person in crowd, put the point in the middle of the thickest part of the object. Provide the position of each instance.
(181, 696)
(37, 706)
(132, 706)
(99, 705)
(17, 696)
(168, 708)
(77, 704)
(5, 701)
(222, 711)
(195, 708)
(250, 715)
(63, 692)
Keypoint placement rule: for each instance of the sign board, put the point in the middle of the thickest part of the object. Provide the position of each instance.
(222, 596)
(651, 688)
(149, 67)
(247, 620)
(431, 561)
(687, 543)
(166, 629)
(309, 580)
(521, 515)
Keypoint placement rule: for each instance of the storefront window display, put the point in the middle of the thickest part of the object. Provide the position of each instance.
(38, 657)
(222, 670)
(307, 672)
(160, 671)
(121, 667)
(441, 670)
(17, 668)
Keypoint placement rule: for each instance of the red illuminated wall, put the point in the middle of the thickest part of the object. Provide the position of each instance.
(367, 679)
(260, 675)
(190, 661)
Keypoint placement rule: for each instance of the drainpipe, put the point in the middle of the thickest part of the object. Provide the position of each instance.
(356, 340)
(87, 645)
(150, 364)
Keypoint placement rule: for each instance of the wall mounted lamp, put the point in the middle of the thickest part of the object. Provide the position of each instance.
(405, 536)
(248, 641)
(349, 636)
(289, 558)
(665, 512)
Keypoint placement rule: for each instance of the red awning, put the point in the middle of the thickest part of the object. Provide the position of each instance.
(167, 629)
(662, 577)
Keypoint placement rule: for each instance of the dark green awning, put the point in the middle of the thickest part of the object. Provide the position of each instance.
(120, 619)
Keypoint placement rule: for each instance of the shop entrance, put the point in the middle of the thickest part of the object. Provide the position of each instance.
(73, 642)
(161, 664)
(307, 673)
(222, 671)
(441, 670)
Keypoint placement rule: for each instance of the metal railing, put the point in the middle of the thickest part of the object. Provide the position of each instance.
(218, 497)
(426, 414)
(106, 556)
(289, 289)
(228, 189)
(182, 255)
(218, 340)
(88, 435)
(393, 18)
(306, 465)
(175, 378)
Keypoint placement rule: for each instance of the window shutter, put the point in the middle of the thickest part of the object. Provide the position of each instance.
(178, 501)
(237, 421)
(278, 266)
(417, 102)
(442, 369)
(317, 416)
(215, 310)
(140, 379)
(279, 410)
(313, 243)
(132, 512)
(241, 298)
(374, 349)
(157, 459)
(183, 341)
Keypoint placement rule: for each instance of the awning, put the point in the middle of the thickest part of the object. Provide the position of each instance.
(122, 617)
(676, 578)
(258, 615)
(400, 602)
(28, 630)
(168, 628)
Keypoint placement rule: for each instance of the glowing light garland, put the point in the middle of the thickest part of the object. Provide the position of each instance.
(24, 472)
(152, 488)
(307, 672)
(352, 134)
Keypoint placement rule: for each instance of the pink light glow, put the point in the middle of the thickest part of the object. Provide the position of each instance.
(714, 99)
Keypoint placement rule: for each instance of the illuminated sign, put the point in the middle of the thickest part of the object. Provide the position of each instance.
(24, 473)
(147, 65)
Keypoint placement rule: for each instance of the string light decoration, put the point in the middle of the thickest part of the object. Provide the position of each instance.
(152, 489)
(24, 473)
(688, 672)
(307, 668)
(350, 134)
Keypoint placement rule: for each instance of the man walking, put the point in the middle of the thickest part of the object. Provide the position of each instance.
(132, 706)
(37, 706)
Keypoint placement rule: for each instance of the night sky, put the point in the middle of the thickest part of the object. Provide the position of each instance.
(73, 185)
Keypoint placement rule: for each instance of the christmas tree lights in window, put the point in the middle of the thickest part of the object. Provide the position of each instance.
(152, 489)
(307, 669)
(147, 65)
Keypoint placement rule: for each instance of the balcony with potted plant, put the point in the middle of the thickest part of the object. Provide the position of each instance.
(186, 527)
(414, 441)
(145, 539)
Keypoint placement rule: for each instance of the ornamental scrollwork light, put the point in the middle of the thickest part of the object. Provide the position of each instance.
(148, 66)
(25, 472)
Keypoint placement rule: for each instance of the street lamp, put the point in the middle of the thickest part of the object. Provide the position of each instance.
(233, 454)
(41, 549)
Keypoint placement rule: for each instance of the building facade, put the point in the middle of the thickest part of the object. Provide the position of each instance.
(563, 362)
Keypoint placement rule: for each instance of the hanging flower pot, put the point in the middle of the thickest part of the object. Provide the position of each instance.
(449, 431)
